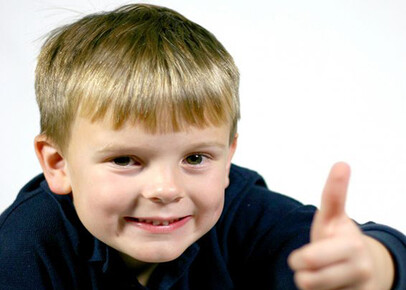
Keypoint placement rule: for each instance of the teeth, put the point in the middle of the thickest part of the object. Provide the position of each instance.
(158, 223)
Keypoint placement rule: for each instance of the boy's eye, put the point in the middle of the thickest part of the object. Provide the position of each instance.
(194, 159)
(123, 161)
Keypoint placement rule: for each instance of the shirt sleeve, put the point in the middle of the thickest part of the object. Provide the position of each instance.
(395, 242)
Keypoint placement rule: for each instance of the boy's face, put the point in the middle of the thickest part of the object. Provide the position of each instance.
(148, 196)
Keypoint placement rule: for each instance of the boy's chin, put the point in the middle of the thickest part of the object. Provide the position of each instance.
(153, 255)
(161, 258)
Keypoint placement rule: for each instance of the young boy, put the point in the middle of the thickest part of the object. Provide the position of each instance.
(139, 110)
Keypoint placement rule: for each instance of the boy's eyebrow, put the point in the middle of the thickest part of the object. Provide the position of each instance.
(208, 144)
(113, 147)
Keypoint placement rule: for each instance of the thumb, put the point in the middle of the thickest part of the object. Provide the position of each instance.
(335, 191)
(332, 200)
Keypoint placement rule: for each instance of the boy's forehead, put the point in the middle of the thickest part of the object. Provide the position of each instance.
(105, 127)
(160, 120)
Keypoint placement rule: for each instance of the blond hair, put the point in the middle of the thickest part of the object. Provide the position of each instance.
(140, 63)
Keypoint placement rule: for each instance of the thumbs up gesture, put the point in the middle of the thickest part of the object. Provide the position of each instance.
(339, 255)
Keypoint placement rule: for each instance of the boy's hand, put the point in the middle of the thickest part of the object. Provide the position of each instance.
(339, 256)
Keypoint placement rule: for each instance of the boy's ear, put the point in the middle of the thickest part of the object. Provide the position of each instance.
(233, 147)
(53, 165)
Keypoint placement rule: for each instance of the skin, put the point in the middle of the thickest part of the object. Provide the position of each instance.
(119, 176)
(122, 181)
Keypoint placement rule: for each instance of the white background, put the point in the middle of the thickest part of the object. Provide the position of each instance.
(321, 81)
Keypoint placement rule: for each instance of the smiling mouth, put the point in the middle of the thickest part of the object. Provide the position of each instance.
(154, 222)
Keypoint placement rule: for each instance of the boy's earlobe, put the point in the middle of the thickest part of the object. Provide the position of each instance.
(53, 165)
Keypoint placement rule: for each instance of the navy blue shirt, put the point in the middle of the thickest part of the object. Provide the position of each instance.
(43, 244)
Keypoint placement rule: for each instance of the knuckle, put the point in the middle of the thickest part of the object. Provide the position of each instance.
(365, 270)
(293, 260)
(309, 260)
(357, 245)
(303, 281)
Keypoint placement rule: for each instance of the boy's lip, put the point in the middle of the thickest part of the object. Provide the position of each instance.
(158, 224)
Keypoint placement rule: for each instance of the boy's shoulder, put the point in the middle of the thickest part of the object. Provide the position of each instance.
(249, 187)
(42, 237)
(39, 222)
(38, 217)
(31, 211)
(27, 228)
(35, 227)
(249, 204)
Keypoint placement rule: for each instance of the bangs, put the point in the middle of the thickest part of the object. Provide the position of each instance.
(160, 96)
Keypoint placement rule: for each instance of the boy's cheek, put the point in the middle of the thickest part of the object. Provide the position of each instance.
(101, 192)
(209, 194)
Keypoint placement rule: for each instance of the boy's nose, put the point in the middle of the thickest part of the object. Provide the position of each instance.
(163, 186)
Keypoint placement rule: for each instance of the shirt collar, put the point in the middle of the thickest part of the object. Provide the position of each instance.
(167, 274)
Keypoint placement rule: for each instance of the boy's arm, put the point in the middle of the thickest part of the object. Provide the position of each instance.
(339, 254)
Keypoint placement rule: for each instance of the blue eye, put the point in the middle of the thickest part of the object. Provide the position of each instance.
(194, 159)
